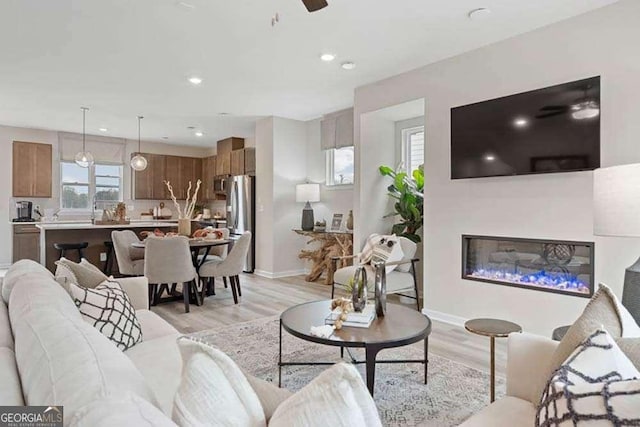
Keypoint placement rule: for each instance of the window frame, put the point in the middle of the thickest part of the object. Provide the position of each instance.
(330, 170)
(92, 187)
(406, 134)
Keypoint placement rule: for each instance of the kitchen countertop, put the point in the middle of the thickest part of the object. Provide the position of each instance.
(88, 226)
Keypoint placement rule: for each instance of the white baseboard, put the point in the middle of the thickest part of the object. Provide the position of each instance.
(445, 317)
(279, 274)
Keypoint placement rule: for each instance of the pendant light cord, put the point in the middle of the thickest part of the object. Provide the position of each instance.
(84, 113)
(139, 119)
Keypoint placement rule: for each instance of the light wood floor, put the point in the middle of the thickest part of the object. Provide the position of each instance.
(263, 297)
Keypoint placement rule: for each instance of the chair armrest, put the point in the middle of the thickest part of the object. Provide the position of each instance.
(527, 359)
(137, 289)
(397, 262)
(339, 258)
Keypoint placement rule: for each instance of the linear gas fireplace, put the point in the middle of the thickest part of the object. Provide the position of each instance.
(564, 267)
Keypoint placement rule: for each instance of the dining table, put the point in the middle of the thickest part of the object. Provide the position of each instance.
(200, 249)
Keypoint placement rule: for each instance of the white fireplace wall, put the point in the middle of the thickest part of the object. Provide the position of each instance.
(554, 206)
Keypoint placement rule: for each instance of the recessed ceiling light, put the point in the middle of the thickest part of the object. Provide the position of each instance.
(479, 13)
(103, 129)
(348, 65)
(191, 127)
(489, 157)
(327, 57)
(165, 137)
(520, 122)
(195, 80)
(199, 133)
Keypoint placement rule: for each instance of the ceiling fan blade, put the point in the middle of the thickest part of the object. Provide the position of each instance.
(547, 115)
(313, 5)
(554, 107)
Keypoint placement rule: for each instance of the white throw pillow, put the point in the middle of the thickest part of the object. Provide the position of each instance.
(213, 390)
(120, 409)
(86, 274)
(109, 310)
(596, 385)
(387, 249)
(337, 397)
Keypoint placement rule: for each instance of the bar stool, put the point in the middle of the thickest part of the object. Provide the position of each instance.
(108, 264)
(64, 247)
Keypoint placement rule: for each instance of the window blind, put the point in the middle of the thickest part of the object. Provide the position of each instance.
(104, 150)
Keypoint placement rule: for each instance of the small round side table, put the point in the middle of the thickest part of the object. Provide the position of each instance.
(492, 328)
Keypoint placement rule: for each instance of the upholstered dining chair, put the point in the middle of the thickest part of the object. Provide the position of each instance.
(168, 262)
(218, 253)
(230, 267)
(130, 260)
(400, 281)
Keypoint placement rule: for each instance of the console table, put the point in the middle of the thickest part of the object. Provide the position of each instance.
(332, 244)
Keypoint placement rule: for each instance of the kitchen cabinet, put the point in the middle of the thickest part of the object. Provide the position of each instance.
(148, 184)
(229, 144)
(32, 169)
(208, 174)
(223, 164)
(26, 242)
(243, 162)
(173, 174)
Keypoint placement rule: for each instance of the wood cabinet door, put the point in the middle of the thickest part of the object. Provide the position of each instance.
(32, 169)
(174, 174)
(223, 164)
(158, 167)
(250, 161)
(26, 243)
(208, 174)
(237, 162)
(143, 180)
(191, 168)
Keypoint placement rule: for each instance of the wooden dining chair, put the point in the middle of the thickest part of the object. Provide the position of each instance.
(230, 267)
(168, 262)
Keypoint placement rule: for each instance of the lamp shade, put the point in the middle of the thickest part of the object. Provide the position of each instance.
(307, 193)
(616, 200)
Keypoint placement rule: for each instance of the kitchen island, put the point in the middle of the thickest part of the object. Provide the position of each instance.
(95, 235)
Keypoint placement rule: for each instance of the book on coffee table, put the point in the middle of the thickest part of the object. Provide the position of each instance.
(354, 319)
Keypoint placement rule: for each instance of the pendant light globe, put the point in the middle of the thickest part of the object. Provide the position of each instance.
(138, 162)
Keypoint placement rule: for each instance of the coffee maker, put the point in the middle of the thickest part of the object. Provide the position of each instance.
(24, 211)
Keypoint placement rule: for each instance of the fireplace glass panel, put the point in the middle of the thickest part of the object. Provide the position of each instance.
(547, 265)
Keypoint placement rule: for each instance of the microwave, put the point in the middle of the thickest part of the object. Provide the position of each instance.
(220, 185)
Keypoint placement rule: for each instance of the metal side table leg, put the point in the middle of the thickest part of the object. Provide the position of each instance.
(493, 369)
(371, 353)
(280, 358)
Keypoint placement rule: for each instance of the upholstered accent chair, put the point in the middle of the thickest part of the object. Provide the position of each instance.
(230, 267)
(130, 260)
(218, 253)
(168, 262)
(402, 280)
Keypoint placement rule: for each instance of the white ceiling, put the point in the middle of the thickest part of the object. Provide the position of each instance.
(123, 58)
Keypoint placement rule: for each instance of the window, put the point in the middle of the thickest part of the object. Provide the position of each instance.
(340, 166)
(413, 148)
(80, 185)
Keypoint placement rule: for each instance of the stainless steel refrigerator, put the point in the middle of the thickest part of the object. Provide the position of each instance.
(241, 213)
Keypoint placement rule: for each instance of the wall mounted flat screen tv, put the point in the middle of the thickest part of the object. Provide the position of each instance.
(555, 129)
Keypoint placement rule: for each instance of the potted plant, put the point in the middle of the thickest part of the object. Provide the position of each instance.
(408, 194)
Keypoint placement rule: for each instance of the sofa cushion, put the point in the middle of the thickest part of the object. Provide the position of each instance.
(506, 412)
(586, 385)
(123, 409)
(6, 336)
(603, 311)
(107, 308)
(270, 395)
(62, 360)
(159, 362)
(154, 326)
(35, 292)
(10, 390)
(87, 274)
(213, 390)
(336, 397)
(396, 280)
(16, 271)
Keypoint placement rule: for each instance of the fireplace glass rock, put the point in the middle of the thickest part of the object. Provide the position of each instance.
(546, 265)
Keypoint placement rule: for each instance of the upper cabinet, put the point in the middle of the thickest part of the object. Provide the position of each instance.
(224, 151)
(208, 174)
(243, 162)
(149, 183)
(32, 167)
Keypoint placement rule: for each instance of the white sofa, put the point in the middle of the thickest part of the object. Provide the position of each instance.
(50, 356)
(527, 356)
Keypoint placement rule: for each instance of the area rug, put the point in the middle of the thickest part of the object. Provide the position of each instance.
(453, 393)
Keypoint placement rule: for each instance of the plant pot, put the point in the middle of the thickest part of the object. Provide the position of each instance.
(184, 227)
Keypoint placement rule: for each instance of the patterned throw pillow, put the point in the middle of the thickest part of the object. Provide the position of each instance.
(387, 249)
(596, 385)
(108, 309)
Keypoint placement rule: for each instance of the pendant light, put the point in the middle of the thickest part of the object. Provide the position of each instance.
(84, 158)
(138, 162)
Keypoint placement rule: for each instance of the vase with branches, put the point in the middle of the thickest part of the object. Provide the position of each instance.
(185, 215)
(407, 191)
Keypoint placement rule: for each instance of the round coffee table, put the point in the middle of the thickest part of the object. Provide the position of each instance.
(492, 328)
(401, 326)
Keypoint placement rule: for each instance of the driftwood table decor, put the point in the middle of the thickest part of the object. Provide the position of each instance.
(332, 244)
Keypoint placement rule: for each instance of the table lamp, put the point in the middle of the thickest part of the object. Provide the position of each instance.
(307, 193)
(616, 197)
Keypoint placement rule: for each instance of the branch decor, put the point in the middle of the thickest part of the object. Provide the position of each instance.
(190, 203)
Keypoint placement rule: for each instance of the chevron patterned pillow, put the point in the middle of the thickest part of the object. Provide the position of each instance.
(108, 308)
